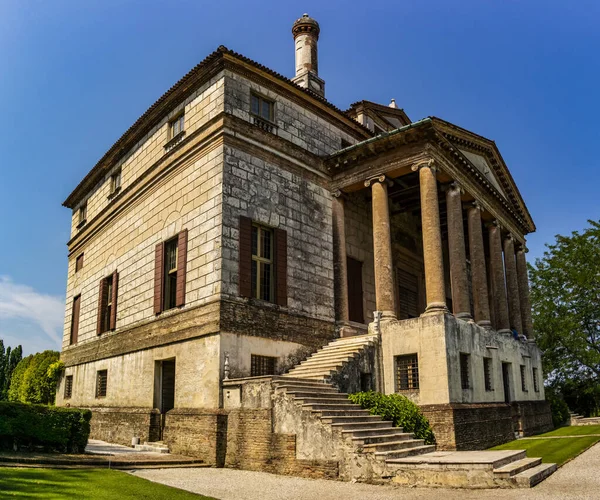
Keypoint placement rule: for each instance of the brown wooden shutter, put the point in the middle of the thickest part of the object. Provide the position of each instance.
(75, 319)
(158, 277)
(245, 263)
(181, 267)
(280, 267)
(113, 299)
(101, 304)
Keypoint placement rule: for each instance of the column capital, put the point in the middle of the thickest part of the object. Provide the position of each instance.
(521, 247)
(476, 205)
(495, 223)
(453, 187)
(338, 194)
(425, 164)
(510, 237)
(382, 179)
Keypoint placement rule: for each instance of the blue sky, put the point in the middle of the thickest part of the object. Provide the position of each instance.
(75, 75)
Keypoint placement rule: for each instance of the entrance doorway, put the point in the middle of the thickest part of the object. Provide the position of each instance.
(164, 389)
(355, 290)
(506, 381)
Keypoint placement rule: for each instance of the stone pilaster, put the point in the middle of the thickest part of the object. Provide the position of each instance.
(340, 263)
(512, 285)
(432, 239)
(524, 292)
(385, 298)
(481, 304)
(461, 303)
(497, 274)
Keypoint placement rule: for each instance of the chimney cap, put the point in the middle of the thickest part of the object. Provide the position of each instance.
(393, 104)
(306, 24)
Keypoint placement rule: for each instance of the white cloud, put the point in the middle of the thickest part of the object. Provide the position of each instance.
(21, 304)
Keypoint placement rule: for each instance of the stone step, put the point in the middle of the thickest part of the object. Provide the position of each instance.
(330, 406)
(351, 419)
(315, 394)
(380, 439)
(516, 467)
(407, 442)
(391, 455)
(151, 449)
(345, 357)
(317, 365)
(289, 381)
(293, 388)
(343, 413)
(320, 373)
(358, 426)
(371, 432)
(357, 346)
(530, 477)
(353, 339)
(333, 354)
(324, 400)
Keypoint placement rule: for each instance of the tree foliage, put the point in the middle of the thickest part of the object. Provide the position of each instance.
(9, 359)
(35, 377)
(565, 293)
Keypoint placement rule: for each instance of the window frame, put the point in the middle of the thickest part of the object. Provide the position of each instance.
(536, 382)
(465, 376)
(488, 379)
(79, 262)
(263, 99)
(169, 289)
(73, 339)
(68, 393)
(262, 366)
(408, 363)
(258, 259)
(82, 214)
(115, 182)
(101, 374)
(178, 121)
(106, 313)
(523, 370)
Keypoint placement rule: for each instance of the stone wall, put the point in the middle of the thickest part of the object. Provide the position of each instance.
(120, 425)
(532, 417)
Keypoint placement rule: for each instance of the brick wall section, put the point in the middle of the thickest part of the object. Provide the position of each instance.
(197, 433)
(533, 417)
(120, 425)
(470, 426)
(251, 445)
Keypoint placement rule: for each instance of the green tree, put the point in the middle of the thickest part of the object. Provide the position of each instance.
(9, 359)
(35, 377)
(565, 295)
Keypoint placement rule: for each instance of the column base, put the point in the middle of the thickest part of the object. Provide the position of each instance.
(435, 308)
(388, 316)
(505, 331)
(485, 323)
(465, 316)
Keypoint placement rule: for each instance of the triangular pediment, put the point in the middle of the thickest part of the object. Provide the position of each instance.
(484, 167)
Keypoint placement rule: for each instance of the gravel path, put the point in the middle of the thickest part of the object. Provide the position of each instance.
(578, 479)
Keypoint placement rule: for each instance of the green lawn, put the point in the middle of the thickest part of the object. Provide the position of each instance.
(92, 484)
(556, 451)
(574, 430)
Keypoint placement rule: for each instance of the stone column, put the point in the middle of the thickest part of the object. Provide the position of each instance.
(524, 292)
(481, 303)
(461, 303)
(512, 285)
(432, 239)
(340, 263)
(498, 286)
(385, 298)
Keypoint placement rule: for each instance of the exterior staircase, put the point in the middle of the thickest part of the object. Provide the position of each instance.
(152, 447)
(576, 419)
(332, 358)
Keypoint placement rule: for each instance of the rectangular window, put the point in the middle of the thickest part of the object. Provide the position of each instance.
(75, 319)
(407, 373)
(523, 379)
(355, 290)
(107, 303)
(262, 365)
(536, 383)
(408, 294)
(262, 263)
(487, 374)
(68, 386)
(83, 214)
(106, 313)
(263, 108)
(115, 182)
(464, 371)
(170, 274)
(79, 263)
(101, 381)
(176, 126)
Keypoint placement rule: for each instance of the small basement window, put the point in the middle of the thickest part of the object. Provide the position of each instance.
(68, 386)
(487, 374)
(465, 382)
(262, 365)
(101, 382)
(407, 373)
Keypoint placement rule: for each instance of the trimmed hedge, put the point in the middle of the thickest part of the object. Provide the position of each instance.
(30, 426)
(399, 409)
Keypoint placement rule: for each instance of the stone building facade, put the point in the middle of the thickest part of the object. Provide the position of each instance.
(243, 222)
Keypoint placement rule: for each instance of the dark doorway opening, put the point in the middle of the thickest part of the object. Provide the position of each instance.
(164, 389)
(506, 381)
(355, 291)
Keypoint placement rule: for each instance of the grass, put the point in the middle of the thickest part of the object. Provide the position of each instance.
(92, 484)
(559, 450)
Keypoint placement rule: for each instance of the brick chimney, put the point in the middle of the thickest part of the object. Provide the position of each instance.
(306, 35)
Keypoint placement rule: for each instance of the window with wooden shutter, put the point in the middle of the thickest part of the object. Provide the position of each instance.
(170, 261)
(280, 267)
(75, 319)
(408, 294)
(113, 309)
(170, 274)
(107, 303)
(245, 257)
(181, 265)
(355, 290)
(79, 263)
(158, 277)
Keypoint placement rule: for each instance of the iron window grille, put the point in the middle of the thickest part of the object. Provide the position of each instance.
(523, 379)
(101, 382)
(464, 371)
(487, 374)
(536, 383)
(407, 373)
(262, 263)
(262, 365)
(170, 274)
(68, 386)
